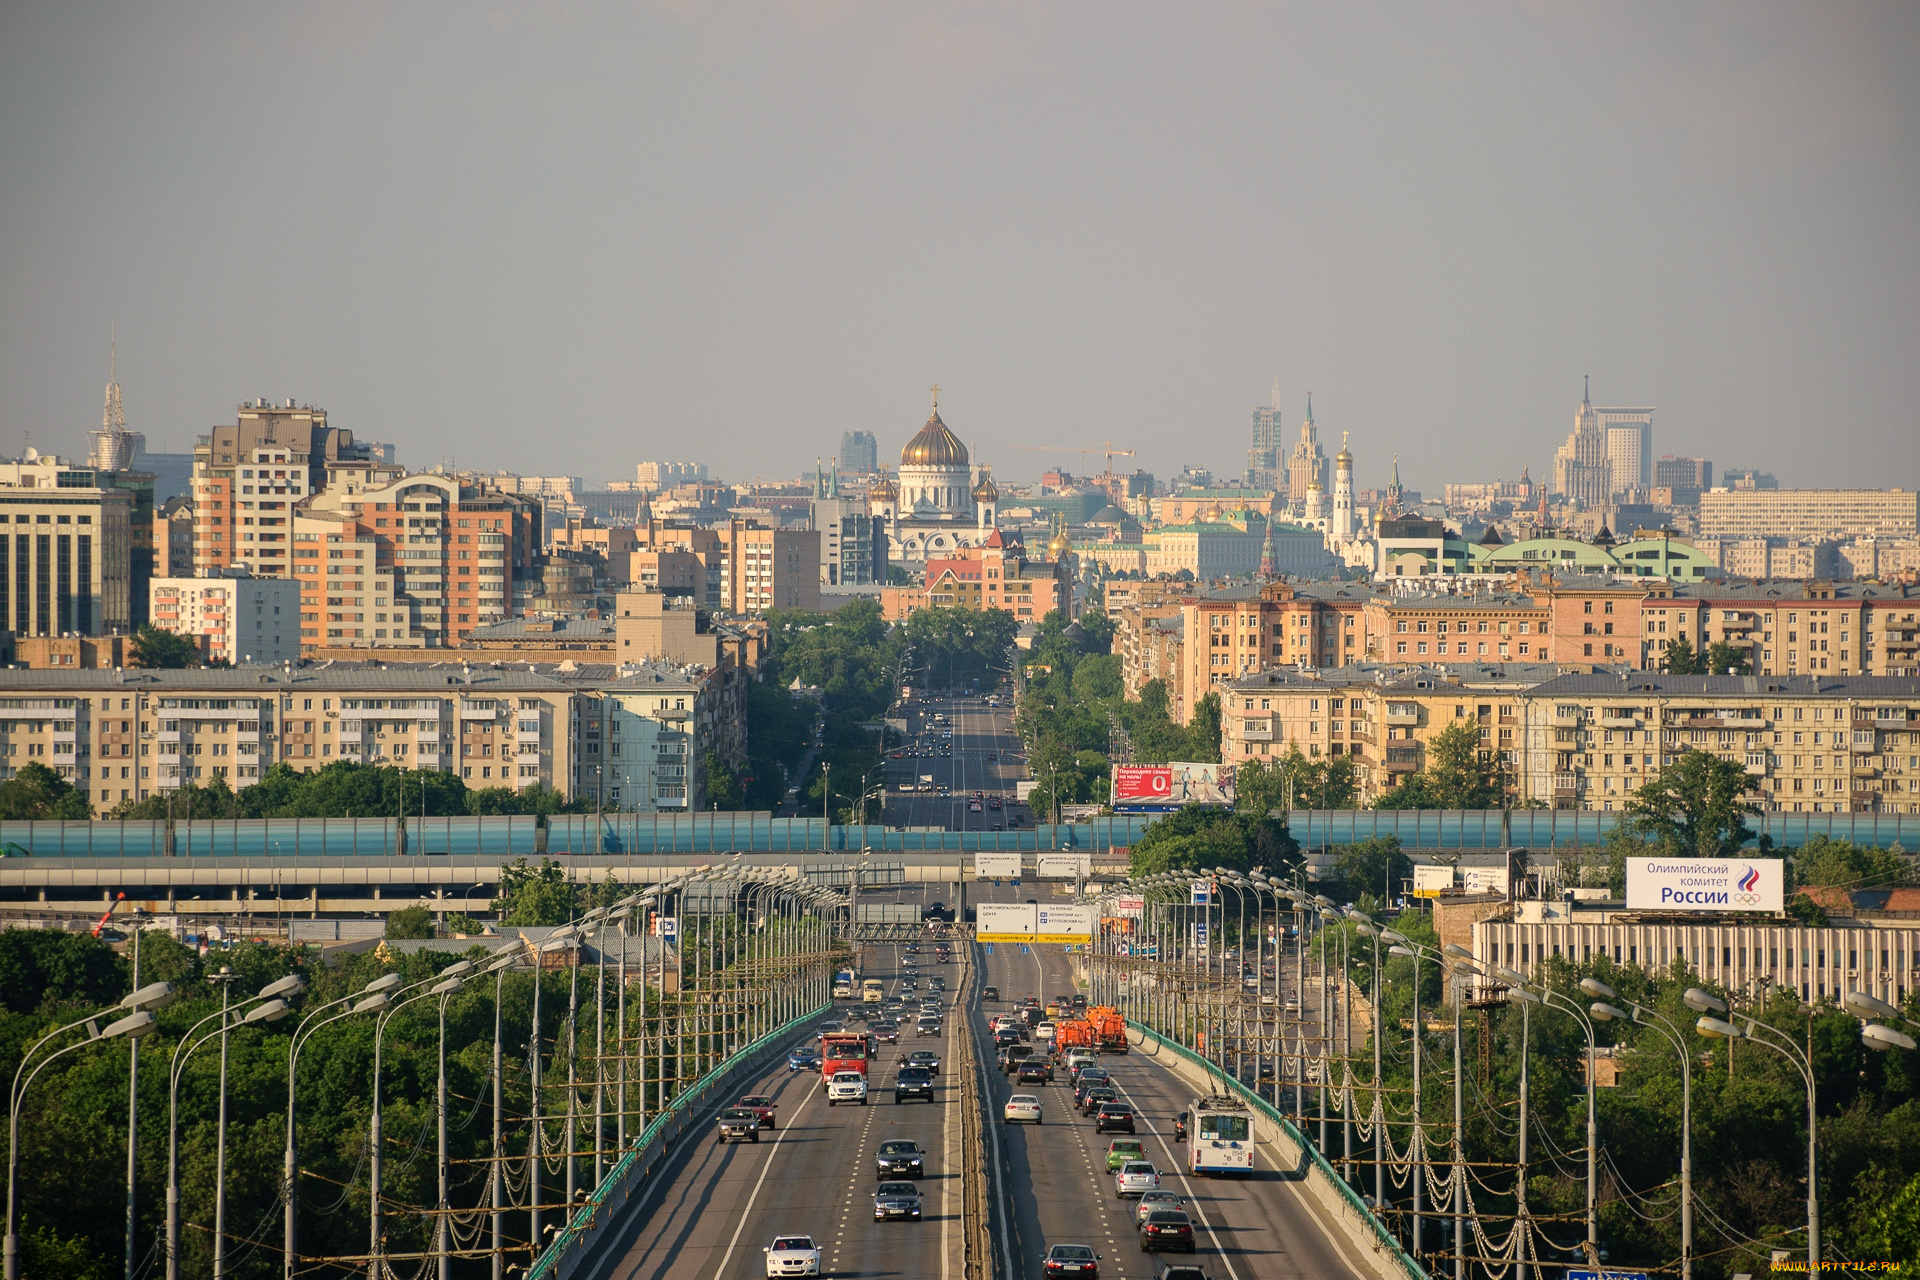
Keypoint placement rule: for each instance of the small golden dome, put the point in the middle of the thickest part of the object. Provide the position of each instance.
(884, 489)
(1313, 486)
(985, 490)
(935, 446)
(1060, 544)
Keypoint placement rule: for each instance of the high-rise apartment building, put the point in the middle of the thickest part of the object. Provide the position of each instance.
(764, 568)
(859, 453)
(1266, 458)
(66, 549)
(409, 560)
(248, 477)
(1810, 513)
(1629, 451)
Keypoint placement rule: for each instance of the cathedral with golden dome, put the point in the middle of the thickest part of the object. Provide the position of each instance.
(941, 501)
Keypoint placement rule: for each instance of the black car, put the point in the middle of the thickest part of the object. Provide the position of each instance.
(1167, 1229)
(899, 1158)
(896, 1200)
(738, 1124)
(887, 1032)
(1035, 1071)
(1088, 1077)
(925, 1058)
(1093, 1099)
(1075, 1260)
(915, 1082)
(1013, 1055)
(989, 993)
(1115, 1116)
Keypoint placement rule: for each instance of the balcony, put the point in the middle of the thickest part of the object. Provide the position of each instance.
(1890, 722)
(1403, 759)
(479, 713)
(1568, 721)
(527, 751)
(1619, 718)
(350, 735)
(1566, 785)
(1862, 748)
(1403, 715)
(1260, 730)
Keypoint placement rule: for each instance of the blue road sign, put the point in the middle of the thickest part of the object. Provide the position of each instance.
(989, 948)
(1025, 949)
(1606, 1275)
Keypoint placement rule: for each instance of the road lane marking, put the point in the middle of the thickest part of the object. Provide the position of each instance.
(747, 1208)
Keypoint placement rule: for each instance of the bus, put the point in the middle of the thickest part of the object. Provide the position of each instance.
(873, 991)
(1219, 1136)
(842, 1051)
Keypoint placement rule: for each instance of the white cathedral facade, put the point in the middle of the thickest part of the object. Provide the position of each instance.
(941, 503)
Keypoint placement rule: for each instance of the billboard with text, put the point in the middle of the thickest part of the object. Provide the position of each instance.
(1705, 884)
(1169, 786)
(1072, 923)
(1063, 866)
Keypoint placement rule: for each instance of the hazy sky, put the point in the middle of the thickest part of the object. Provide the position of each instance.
(567, 237)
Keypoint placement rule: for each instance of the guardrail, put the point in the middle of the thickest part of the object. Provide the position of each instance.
(1317, 1164)
(590, 1227)
(978, 1236)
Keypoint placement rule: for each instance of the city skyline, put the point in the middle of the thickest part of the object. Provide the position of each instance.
(851, 205)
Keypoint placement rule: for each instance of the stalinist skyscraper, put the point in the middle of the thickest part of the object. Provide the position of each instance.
(1308, 463)
(1266, 468)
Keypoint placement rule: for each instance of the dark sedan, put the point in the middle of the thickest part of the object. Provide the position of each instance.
(1114, 1116)
(1167, 1229)
(1034, 1071)
(899, 1159)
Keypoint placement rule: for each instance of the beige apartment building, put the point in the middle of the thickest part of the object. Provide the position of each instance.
(1589, 740)
(125, 735)
(762, 568)
(1793, 628)
(1809, 513)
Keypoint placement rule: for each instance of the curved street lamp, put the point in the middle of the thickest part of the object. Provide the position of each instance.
(1604, 1011)
(137, 1023)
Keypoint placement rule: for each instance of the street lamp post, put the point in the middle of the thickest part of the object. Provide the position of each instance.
(1549, 998)
(269, 1008)
(371, 998)
(443, 984)
(1760, 1033)
(137, 1023)
(509, 956)
(1607, 1012)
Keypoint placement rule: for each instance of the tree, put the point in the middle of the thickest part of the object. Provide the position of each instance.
(1841, 864)
(37, 792)
(158, 649)
(1680, 658)
(723, 784)
(1456, 776)
(534, 895)
(1694, 806)
(1375, 866)
(410, 922)
(1723, 659)
(459, 923)
(1200, 836)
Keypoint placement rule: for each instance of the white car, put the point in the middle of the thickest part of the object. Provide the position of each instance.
(793, 1256)
(847, 1086)
(1136, 1177)
(1021, 1107)
(1044, 1031)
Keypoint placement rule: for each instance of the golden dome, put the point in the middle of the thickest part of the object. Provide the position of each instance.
(1344, 459)
(935, 446)
(1313, 486)
(985, 490)
(1059, 544)
(884, 489)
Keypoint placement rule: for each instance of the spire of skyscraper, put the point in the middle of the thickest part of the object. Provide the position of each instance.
(1269, 566)
(113, 445)
(1274, 401)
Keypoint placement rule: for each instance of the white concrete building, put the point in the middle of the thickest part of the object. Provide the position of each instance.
(240, 618)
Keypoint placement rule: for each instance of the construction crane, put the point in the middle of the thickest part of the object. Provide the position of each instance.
(1104, 447)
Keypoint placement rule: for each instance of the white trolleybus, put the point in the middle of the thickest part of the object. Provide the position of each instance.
(1219, 1137)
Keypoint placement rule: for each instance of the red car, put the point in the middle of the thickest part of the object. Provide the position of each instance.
(761, 1106)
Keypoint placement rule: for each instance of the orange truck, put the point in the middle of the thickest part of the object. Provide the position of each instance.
(1109, 1028)
(1074, 1034)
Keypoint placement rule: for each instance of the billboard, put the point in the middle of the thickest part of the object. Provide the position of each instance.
(1005, 922)
(1070, 924)
(1705, 884)
(1168, 786)
(1431, 882)
(1132, 907)
(1063, 866)
(1484, 879)
(1203, 891)
(996, 866)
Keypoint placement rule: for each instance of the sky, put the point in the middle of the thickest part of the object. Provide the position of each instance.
(565, 238)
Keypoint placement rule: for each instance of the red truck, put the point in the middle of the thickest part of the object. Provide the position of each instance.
(842, 1051)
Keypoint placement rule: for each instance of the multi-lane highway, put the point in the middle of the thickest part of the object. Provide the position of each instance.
(717, 1206)
(974, 749)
